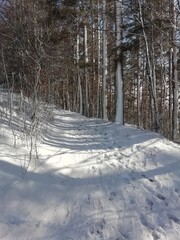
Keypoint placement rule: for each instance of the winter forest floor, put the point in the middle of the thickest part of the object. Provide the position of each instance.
(93, 180)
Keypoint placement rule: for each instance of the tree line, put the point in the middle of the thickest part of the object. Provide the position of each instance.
(111, 59)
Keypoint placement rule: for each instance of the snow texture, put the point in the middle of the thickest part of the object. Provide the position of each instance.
(93, 180)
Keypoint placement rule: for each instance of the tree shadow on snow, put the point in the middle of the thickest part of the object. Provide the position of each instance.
(92, 134)
(81, 206)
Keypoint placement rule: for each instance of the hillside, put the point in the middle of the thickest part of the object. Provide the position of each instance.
(92, 180)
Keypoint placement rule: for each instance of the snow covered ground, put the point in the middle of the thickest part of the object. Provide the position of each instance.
(93, 180)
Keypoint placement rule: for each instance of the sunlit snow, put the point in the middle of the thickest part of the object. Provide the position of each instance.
(93, 180)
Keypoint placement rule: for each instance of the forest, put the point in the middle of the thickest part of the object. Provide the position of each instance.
(90, 119)
(116, 60)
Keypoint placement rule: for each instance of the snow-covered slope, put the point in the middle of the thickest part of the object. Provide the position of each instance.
(93, 180)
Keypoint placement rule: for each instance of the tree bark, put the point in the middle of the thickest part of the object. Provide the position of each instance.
(119, 77)
(104, 74)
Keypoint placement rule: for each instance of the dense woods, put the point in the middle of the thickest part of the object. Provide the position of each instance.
(116, 60)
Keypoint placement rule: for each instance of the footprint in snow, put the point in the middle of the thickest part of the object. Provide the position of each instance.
(144, 221)
(149, 179)
(87, 199)
(98, 228)
(123, 234)
(150, 204)
(112, 196)
(160, 196)
(173, 218)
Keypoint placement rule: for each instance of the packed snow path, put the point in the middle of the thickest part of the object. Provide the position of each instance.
(94, 180)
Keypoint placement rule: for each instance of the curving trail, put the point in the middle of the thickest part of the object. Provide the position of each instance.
(93, 180)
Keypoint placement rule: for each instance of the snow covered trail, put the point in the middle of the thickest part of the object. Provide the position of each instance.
(93, 180)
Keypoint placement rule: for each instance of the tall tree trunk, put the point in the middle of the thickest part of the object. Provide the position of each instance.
(78, 75)
(119, 77)
(98, 61)
(175, 76)
(86, 72)
(170, 93)
(151, 76)
(104, 74)
(138, 88)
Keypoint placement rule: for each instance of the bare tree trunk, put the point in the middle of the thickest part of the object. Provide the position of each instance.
(119, 76)
(104, 74)
(78, 76)
(163, 84)
(86, 72)
(175, 77)
(170, 94)
(98, 62)
(138, 88)
(151, 77)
